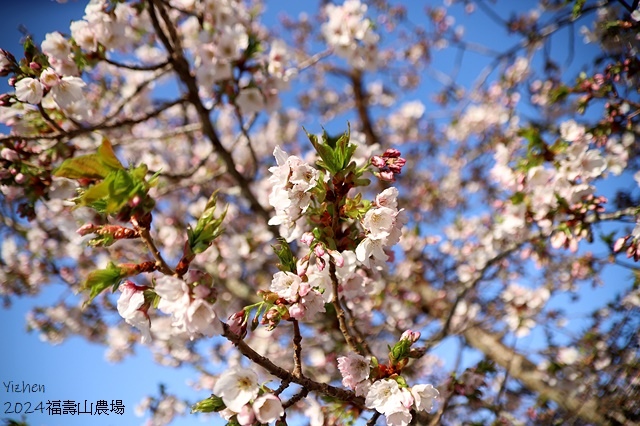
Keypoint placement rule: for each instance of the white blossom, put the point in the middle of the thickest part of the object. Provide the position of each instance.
(385, 396)
(268, 408)
(56, 46)
(29, 90)
(286, 285)
(68, 91)
(354, 369)
(237, 387)
(424, 396)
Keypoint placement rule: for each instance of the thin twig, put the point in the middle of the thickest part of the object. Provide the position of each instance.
(137, 67)
(372, 421)
(297, 349)
(145, 235)
(295, 398)
(335, 300)
(360, 338)
(48, 119)
(308, 384)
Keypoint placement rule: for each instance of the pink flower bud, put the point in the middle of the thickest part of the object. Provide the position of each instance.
(296, 311)
(411, 336)
(620, 242)
(307, 238)
(378, 162)
(237, 323)
(302, 265)
(20, 178)
(337, 257)
(246, 416)
(319, 250)
(391, 153)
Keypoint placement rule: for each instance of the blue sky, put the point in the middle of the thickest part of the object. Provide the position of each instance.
(76, 370)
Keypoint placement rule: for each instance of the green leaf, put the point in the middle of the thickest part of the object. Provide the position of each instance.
(207, 229)
(287, 260)
(324, 149)
(345, 149)
(102, 279)
(208, 405)
(91, 166)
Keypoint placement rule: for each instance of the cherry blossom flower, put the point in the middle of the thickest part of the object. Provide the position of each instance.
(56, 46)
(201, 318)
(174, 295)
(354, 369)
(371, 253)
(402, 417)
(268, 408)
(351, 34)
(68, 91)
(192, 313)
(292, 181)
(49, 77)
(29, 90)
(129, 307)
(423, 397)
(384, 396)
(237, 387)
(246, 416)
(286, 285)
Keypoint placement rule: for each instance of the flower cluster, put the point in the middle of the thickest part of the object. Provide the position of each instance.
(292, 180)
(521, 305)
(383, 225)
(384, 390)
(389, 164)
(190, 303)
(629, 243)
(304, 301)
(387, 397)
(240, 392)
(351, 34)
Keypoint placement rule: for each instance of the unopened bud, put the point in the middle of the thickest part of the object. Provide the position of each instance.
(20, 178)
(87, 228)
(378, 162)
(337, 257)
(307, 238)
(391, 153)
(411, 336)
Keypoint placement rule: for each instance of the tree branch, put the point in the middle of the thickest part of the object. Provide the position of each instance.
(306, 383)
